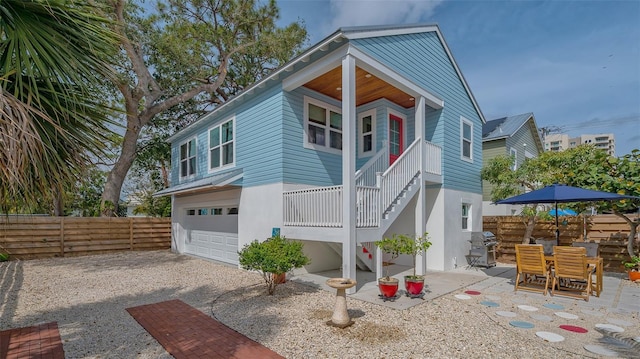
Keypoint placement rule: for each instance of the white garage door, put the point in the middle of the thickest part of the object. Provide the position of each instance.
(212, 233)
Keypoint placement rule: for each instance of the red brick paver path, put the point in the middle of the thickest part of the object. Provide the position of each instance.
(186, 332)
(37, 342)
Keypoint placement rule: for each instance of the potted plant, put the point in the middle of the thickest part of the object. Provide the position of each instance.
(388, 285)
(414, 284)
(633, 268)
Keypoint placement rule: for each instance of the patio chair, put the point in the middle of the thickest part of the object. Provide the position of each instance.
(593, 249)
(533, 272)
(547, 244)
(572, 276)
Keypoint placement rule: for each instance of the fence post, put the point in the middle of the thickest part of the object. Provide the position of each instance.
(131, 233)
(61, 236)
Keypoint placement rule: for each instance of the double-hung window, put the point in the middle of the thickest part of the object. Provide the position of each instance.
(323, 126)
(466, 139)
(221, 145)
(466, 215)
(514, 154)
(188, 158)
(367, 134)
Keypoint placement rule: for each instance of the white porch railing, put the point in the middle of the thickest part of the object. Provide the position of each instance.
(394, 180)
(433, 158)
(313, 207)
(366, 175)
(368, 200)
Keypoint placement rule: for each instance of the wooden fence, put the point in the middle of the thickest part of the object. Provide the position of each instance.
(28, 237)
(609, 231)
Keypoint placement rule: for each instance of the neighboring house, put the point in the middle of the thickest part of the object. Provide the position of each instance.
(370, 132)
(517, 136)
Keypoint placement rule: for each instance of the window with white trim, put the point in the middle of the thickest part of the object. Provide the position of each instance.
(188, 158)
(466, 216)
(367, 133)
(323, 126)
(221, 145)
(466, 139)
(514, 154)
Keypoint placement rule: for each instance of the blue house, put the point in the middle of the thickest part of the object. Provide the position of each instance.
(372, 131)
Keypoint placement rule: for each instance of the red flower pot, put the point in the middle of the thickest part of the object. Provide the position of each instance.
(634, 276)
(414, 285)
(388, 288)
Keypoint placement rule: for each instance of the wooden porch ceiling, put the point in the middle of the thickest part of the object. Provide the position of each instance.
(368, 88)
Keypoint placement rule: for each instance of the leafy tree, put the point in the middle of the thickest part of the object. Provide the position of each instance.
(588, 167)
(188, 57)
(52, 59)
(272, 258)
(532, 174)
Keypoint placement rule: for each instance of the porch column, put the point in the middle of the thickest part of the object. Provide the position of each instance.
(349, 168)
(420, 211)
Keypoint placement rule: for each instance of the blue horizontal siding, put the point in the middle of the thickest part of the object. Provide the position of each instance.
(422, 59)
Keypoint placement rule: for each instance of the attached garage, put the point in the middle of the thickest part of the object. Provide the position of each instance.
(212, 232)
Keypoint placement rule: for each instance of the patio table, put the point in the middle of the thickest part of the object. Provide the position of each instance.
(598, 262)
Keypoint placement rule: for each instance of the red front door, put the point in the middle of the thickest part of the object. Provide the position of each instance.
(395, 138)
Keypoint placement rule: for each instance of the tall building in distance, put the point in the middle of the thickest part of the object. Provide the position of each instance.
(561, 142)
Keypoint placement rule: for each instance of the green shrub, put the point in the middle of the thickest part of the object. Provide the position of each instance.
(272, 258)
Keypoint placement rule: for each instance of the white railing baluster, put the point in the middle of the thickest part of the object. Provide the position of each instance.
(366, 175)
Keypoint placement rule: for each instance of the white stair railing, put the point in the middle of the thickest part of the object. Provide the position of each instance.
(396, 178)
(368, 203)
(366, 175)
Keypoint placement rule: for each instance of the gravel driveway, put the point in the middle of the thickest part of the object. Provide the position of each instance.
(87, 296)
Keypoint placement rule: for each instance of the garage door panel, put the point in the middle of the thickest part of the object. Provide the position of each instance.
(213, 245)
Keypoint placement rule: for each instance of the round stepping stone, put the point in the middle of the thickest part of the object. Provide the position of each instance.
(610, 328)
(566, 315)
(492, 297)
(550, 337)
(600, 350)
(503, 313)
(472, 292)
(541, 317)
(490, 304)
(553, 306)
(573, 328)
(462, 296)
(620, 322)
(527, 308)
(521, 324)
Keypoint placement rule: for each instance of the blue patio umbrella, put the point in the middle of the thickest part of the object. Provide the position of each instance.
(557, 193)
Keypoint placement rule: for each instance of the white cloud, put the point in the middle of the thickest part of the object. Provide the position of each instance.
(374, 12)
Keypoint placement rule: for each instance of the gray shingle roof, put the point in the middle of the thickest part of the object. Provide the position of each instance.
(504, 127)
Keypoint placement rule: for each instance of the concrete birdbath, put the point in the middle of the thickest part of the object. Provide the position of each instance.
(340, 316)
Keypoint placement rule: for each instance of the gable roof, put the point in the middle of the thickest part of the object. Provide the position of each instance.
(505, 127)
(355, 32)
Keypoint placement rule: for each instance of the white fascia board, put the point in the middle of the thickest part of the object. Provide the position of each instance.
(386, 74)
(319, 67)
(390, 32)
(463, 80)
(275, 75)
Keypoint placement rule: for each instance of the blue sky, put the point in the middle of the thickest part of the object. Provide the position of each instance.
(574, 64)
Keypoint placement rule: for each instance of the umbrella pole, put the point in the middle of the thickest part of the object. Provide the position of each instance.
(557, 227)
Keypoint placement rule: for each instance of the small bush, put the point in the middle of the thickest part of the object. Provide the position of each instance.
(271, 258)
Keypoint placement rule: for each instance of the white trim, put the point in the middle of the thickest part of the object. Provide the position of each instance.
(195, 155)
(463, 121)
(361, 116)
(317, 68)
(305, 140)
(400, 115)
(222, 166)
(389, 32)
(386, 74)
